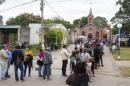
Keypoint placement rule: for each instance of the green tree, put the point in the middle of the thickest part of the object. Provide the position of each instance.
(67, 24)
(80, 22)
(53, 35)
(24, 19)
(100, 21)
(123, 15)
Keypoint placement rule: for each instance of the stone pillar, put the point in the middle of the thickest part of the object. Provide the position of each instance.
(0, 38)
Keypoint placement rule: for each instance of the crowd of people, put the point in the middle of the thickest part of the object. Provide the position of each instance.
(84, 59)
(22, 59)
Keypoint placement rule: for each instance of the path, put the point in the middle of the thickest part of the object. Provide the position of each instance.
(105, 76)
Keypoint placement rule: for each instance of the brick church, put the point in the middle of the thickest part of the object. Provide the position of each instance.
(92, 32)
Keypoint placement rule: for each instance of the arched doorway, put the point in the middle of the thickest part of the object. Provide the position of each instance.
(83, 33)
(97, 35)
(90, 36)
(105, 37)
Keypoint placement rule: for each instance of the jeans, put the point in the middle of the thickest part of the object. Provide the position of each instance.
(16, 67)
(3, 69)
(25, 68)
(40, 71)
(64, 65)
(8, 66)
(47, 70)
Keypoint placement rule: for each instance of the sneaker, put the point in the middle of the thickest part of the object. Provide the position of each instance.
(3, 78)
(40, 76)
(22, 80)
(43, 77)
(17, 80)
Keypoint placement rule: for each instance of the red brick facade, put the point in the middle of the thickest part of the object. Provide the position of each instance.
(91, 31)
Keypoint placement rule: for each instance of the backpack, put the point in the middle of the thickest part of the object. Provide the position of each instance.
(47, 59)
(19, 59)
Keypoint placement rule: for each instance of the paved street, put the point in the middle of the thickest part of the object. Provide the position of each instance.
(105, 76)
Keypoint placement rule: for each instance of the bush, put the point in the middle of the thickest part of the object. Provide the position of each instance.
(53, 35)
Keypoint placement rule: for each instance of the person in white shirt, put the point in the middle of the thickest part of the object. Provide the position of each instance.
(65, 55)
(84, 56)
(3, 62)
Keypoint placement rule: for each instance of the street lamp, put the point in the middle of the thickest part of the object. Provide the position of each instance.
(111, 27)
(119, 26)
(68, 37)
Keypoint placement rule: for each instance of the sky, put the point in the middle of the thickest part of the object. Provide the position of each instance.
(66, 9)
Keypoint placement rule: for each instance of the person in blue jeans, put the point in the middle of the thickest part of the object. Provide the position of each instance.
(17, 60)
(47, 62)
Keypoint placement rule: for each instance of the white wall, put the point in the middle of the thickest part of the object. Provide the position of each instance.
(34, 33)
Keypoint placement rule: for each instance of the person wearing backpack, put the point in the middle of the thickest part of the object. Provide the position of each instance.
(17, 60)
(47, 62)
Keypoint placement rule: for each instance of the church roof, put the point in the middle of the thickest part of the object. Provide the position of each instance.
(90, 26)
(90, 12)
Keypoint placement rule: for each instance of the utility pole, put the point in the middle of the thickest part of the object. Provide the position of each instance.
(41, 35)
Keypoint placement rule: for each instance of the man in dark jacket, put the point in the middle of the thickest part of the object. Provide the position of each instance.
(17, 60)
(79, 77)
(97, 55)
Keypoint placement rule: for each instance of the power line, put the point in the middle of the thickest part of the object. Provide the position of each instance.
(52, 8)
(18, 6)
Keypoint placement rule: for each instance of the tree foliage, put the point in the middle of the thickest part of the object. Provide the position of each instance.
(51, 35)
(80, 22)
(123, 15)
(24, 19)
(67, 24)
(100, 21)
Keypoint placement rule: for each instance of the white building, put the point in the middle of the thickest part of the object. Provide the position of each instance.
(34, 33)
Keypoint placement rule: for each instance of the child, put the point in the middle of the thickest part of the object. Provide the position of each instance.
(89, 65)
(72, 61)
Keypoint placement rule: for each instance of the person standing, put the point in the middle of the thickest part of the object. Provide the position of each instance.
(40, 57)
(84, 57)
(65, 55)
(47, 62)
(3, 62)
(9, 55)
(28, 61)
(18, 58)
(72, 61)
(79, 77)
(96, 55)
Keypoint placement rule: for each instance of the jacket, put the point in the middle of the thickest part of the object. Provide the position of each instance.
(17, 56)
(78, 79)
(47, 58)
(3, 56)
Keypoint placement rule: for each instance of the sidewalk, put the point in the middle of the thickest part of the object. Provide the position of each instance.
(109, 74)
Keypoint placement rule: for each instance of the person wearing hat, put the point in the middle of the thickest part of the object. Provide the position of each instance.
(47, 62)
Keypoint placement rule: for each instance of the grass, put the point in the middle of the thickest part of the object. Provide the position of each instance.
(125, 71)
(124, 53)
